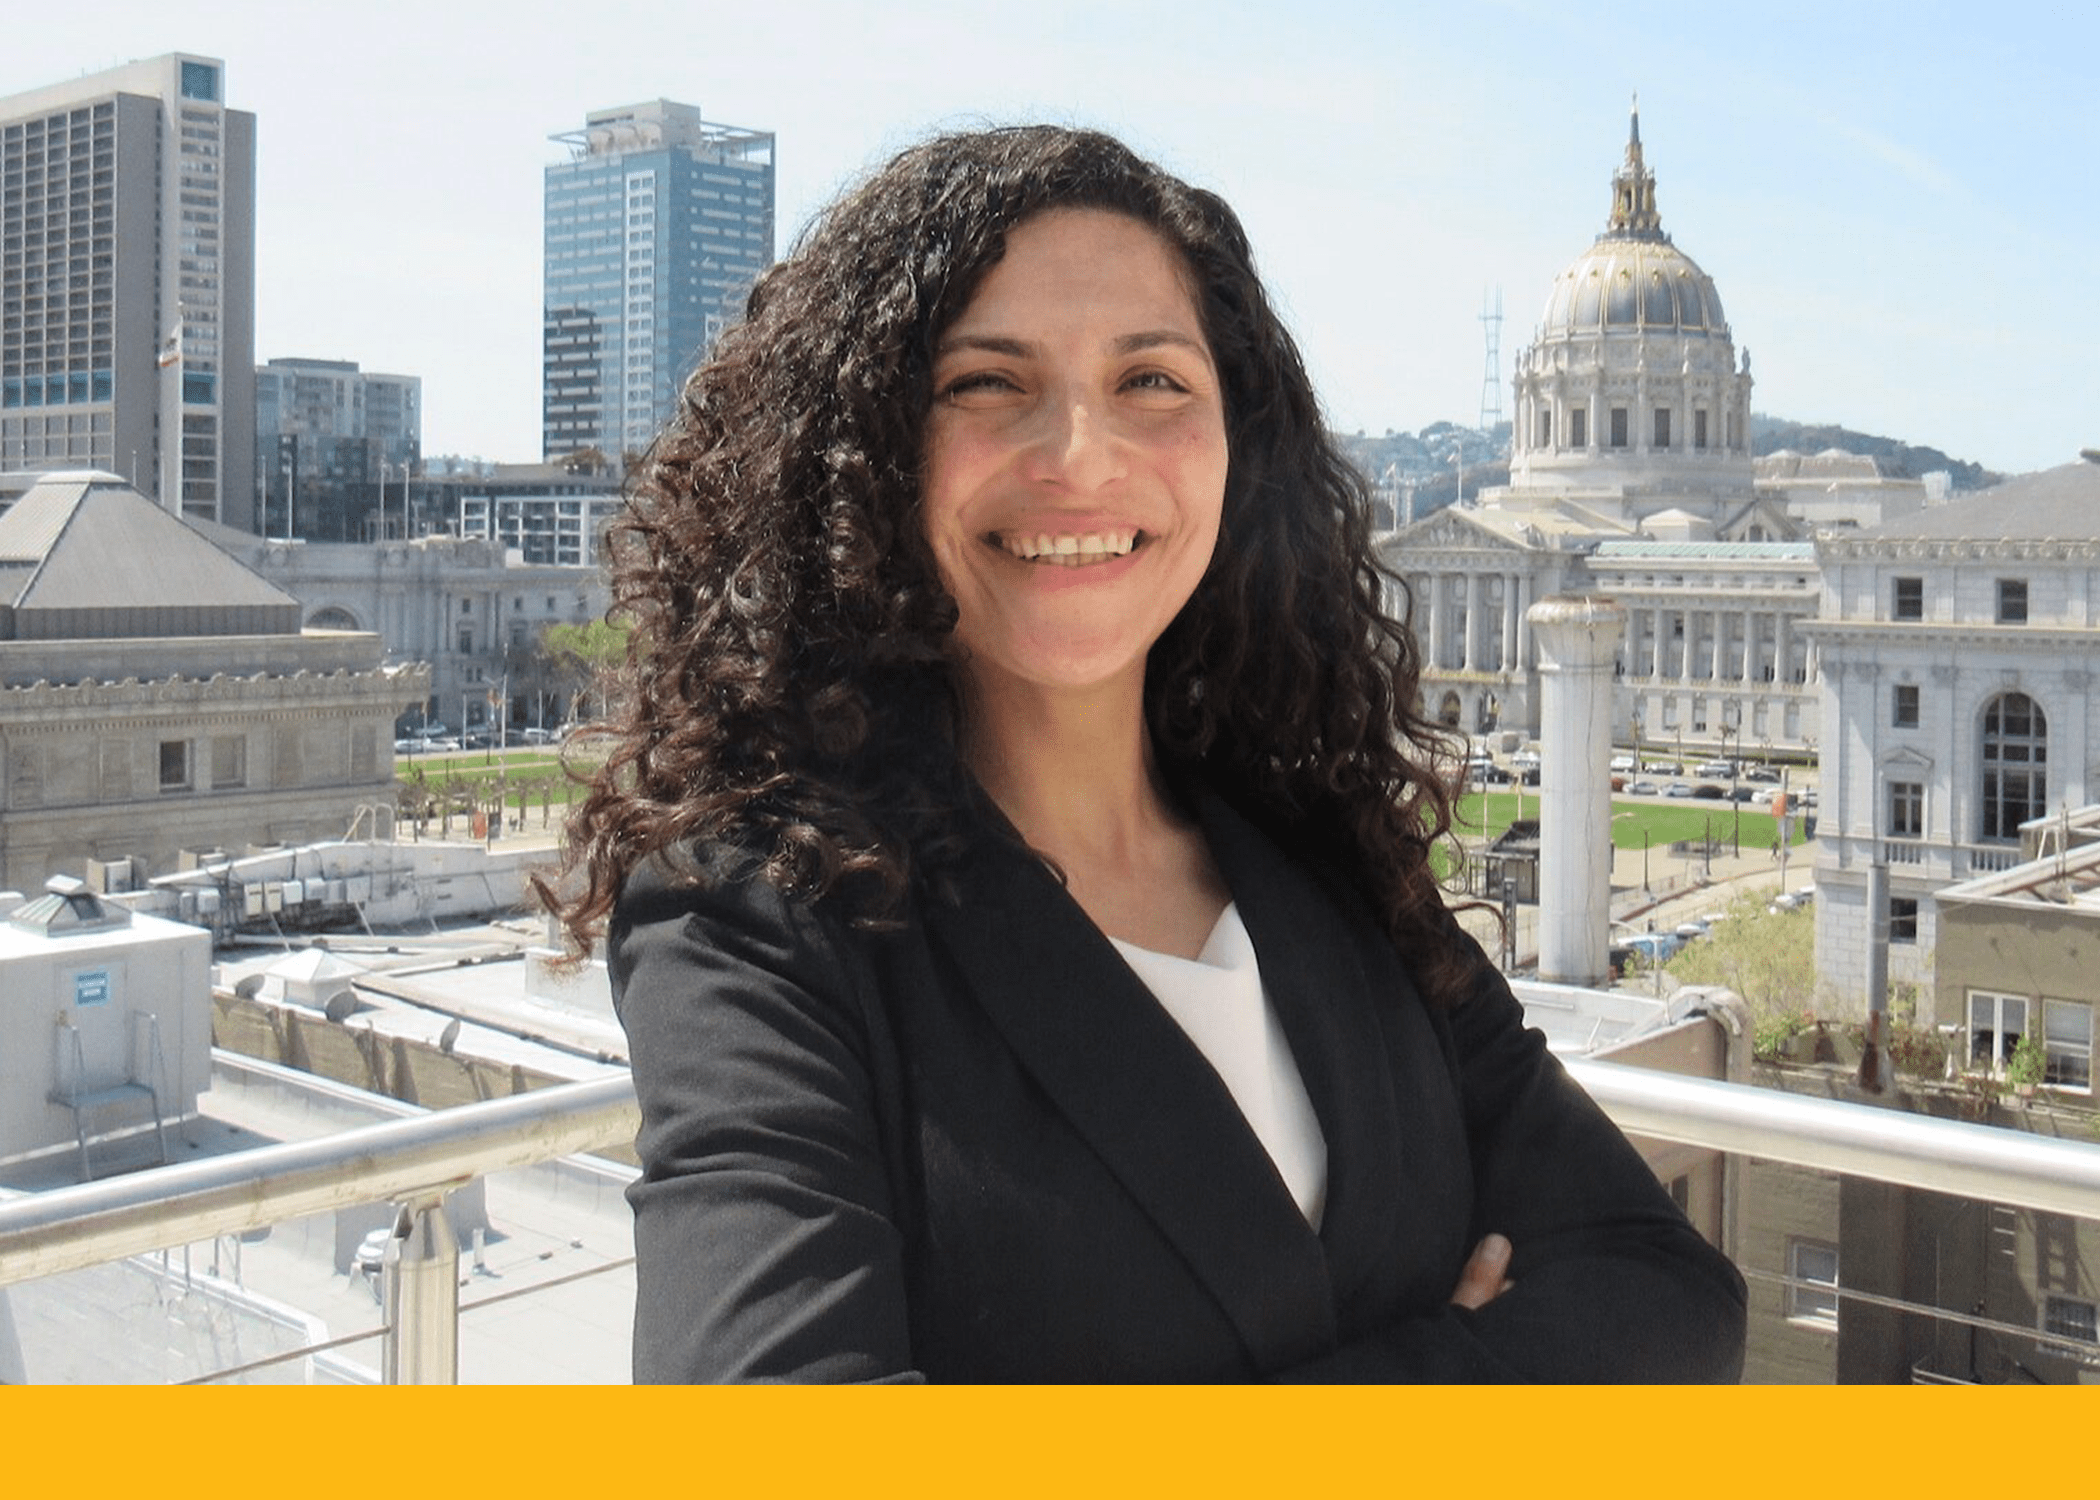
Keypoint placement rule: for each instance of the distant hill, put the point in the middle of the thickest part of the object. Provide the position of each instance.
(1899, 460)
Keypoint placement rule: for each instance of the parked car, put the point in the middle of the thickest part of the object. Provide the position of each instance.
(1710, 792)
(1693, 929)
(1678, 789)
(1644, 789)
(1760, 773)
(1720, 770)
(1746, 794)
(537, 736)
(444, 743)
(407, 747)
(1624, 763)
(1655, 947)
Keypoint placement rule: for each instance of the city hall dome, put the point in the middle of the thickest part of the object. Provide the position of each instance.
(1633, 387)
(1633, 285)
(1633, 279)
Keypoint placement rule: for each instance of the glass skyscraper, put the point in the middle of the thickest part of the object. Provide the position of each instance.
(127, 274)
(656, 227)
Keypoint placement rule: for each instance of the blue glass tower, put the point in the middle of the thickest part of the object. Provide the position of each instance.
(656, 226)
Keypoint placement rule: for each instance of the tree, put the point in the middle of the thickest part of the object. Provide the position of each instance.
(1767, 957)
(585, 657)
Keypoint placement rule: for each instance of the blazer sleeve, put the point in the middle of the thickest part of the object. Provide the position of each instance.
(766, 1243)
(1611, 1282)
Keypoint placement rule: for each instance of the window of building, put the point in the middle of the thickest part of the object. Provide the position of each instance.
(466, 640)
(2012, 601)
(1545, 427)
(466, 606)
(2067, 1036)
(200, 81)
(1907, 599)
(1662, 426)
(2015, 764)
(1699, 428)
(1906, 809)
(1996, 1024)
(2074, 1321)
(229, 761)
(1903, 919)
(1812, 1272)
(1618, 426)
(1905, 712)
(174, 765)
(1579, 427)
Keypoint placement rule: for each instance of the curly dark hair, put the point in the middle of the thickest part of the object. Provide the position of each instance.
(789, 685)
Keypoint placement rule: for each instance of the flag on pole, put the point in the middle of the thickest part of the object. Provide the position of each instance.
(171, 350)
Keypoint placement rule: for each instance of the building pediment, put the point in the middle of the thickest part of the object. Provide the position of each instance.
(1453, 530)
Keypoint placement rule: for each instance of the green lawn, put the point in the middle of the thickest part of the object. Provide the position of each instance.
(1635, 825)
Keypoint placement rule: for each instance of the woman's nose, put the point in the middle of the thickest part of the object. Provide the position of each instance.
(1074, 446)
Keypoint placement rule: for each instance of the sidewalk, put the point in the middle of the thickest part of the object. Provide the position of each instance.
(1678, 890)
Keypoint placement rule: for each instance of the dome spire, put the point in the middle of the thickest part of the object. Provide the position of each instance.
(1633, 211)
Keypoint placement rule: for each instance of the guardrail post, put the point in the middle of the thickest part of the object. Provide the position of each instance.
(422, 1296)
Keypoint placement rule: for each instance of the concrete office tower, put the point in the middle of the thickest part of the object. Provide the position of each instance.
(334, 448)
(127, 215)
(656, 226)
(1577, 638)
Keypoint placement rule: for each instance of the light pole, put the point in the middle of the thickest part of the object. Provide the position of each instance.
(385, 469)
(1731, 731)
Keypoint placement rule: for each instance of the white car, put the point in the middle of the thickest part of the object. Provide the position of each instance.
(1624, 763)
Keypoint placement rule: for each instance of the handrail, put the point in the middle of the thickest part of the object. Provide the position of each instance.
(69, 1228)
(1987, 1162)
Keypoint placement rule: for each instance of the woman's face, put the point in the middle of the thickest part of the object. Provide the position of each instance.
(1075, 455)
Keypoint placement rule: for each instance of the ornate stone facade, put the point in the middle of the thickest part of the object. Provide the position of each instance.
(1956, 647)
(119, 747)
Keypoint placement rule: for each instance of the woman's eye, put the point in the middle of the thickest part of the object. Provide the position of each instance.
(1154, 380)
(980, 382)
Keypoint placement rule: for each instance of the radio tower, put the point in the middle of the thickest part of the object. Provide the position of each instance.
(1491, 380)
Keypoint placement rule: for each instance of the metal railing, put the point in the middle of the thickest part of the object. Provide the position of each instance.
(415, 1161)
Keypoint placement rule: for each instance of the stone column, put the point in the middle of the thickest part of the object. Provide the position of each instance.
(1749, 647)
(1577, 640)
(1476, 600)
(1433, 593)
(1782, 647)
(1655, 642)
(1512, 612)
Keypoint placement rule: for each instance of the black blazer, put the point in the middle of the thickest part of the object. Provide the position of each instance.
(976, 1148)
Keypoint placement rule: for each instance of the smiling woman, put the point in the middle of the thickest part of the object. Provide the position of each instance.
(1015, 844)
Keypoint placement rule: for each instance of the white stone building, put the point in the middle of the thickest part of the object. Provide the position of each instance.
(468, 607)
(156, 697)
(1631, 475)
(1959, 650)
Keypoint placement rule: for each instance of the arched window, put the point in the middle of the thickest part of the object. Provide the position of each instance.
(2015, 764)
(332, 618)
(1449, 712)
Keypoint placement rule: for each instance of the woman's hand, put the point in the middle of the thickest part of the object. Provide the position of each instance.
(1483, 1279)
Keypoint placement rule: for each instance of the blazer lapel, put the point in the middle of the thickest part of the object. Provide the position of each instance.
(1141, 1095)
(1370, 1059)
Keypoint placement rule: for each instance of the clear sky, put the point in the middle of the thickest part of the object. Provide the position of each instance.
(1897, 202)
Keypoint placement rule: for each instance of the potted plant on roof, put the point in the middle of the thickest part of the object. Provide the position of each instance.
(2025, 1069)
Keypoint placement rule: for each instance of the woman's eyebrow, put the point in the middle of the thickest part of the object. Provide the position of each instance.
(985, 343)
(1154, 338)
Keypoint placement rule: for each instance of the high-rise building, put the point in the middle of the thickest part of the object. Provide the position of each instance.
(127, 270)
(656, 226)
(329, 440)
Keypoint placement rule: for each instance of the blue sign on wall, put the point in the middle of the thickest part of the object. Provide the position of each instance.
(90, 987)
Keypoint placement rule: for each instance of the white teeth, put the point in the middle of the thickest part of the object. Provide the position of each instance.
(1069, 551)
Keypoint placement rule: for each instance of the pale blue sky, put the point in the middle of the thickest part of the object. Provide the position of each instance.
(1896, 201)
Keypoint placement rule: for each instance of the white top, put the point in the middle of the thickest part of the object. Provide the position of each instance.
(1218, 999)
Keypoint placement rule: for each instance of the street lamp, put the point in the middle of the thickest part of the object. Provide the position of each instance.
(1731, 730)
